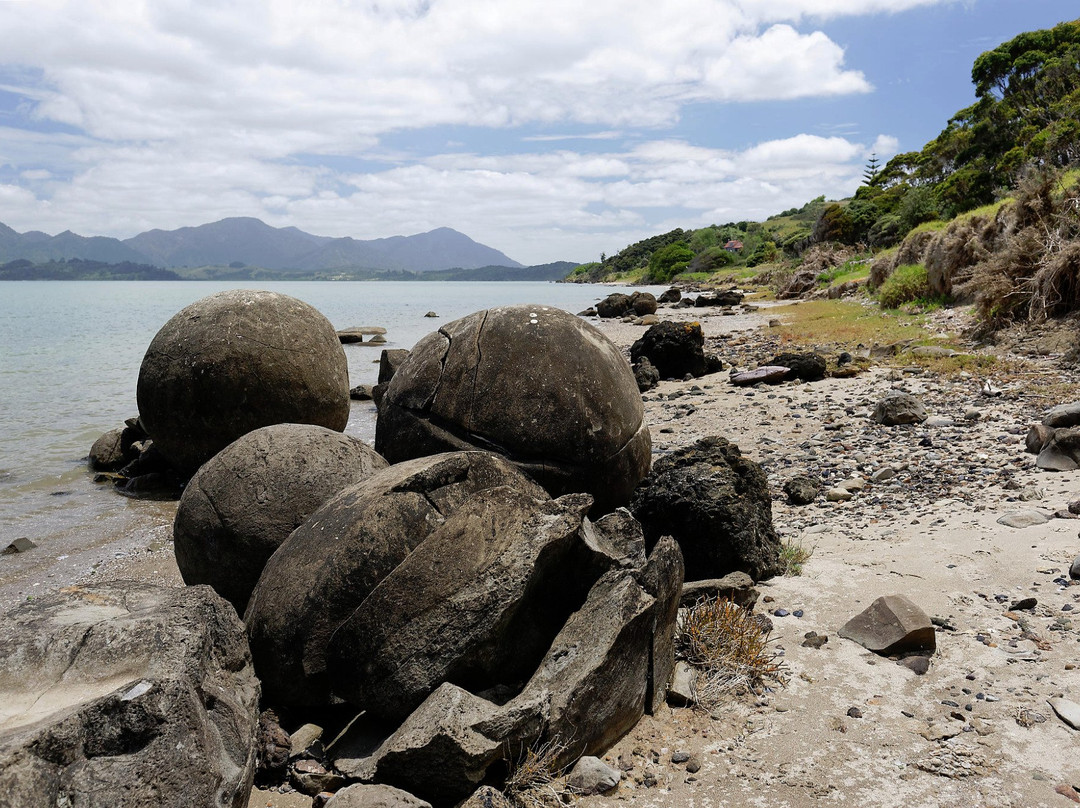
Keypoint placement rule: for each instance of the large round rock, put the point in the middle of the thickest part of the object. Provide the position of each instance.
(234, 362)
(534, 383)
(328, 566)
(246, 500)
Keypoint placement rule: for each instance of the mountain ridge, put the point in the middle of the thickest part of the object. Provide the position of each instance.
(250, 241)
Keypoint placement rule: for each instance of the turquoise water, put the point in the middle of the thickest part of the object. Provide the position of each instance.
(69, 362)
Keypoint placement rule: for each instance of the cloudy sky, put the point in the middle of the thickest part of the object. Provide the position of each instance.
(549, 129)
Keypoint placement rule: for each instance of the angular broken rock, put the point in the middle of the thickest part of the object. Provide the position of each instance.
(590, 688)
(898, 408)
(332, 562)
(126, 695)
(892, 624)
(477, 603)
(1061, 452)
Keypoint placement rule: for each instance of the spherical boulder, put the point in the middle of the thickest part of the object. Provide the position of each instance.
(246, 500)
(331, 563)
(236, 361)
(534, 383)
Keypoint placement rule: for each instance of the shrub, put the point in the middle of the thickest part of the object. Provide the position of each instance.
(906, 284)
(729, 647)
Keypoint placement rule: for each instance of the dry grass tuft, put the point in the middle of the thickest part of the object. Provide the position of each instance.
(535, 779)
(727, 645)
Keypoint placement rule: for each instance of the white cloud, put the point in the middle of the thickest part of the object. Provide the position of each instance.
(163, 113)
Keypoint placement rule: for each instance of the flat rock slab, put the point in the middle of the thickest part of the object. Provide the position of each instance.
(102, 686)
(769, 374)
(892, 624)
(375, 796)
(1067, 711)
(1028, 518)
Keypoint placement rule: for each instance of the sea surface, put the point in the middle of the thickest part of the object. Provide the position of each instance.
(69, 363)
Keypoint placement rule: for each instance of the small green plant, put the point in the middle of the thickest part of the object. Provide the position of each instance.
(728, 646)
(906, 284)
(793, 554)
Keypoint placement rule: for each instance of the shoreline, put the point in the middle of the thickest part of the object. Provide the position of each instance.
(930, 532)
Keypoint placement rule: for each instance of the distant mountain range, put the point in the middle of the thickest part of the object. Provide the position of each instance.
(246, 242)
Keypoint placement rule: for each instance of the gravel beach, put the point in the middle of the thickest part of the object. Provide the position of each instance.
(922, 520)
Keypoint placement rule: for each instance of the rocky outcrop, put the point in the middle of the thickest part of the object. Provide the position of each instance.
(126, 695)
(246, 500)
(236, 361)
(645, 374)
(324, 571)
(534, 383)
(716, 504)
(674, 349)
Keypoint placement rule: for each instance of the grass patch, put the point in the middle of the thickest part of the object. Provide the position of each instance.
(906, 284)
(728, 647)
(935, 226)
(845, 323)
(793, 554)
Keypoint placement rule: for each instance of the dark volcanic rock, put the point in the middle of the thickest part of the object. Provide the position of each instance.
(334, 560)
(728, 298)
(1038, 436)
(672, 295)
(234, 362)
(808, 367)
(246, 500)
(802, 490)
(646, 376)
(534, 383)
(1063, 415)
(674, 349)
(126, 695)
(716, 505)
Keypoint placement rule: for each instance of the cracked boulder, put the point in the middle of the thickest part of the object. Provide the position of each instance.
(534, 383)
(330, 564)
(477, 603)
(236, 361)
(126, 695)
(596, 679)
(717, 506)
(246, 500)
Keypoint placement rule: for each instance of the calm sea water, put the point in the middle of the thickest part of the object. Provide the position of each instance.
(69, 362)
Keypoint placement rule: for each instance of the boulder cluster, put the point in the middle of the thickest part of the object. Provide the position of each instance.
(502, 571)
